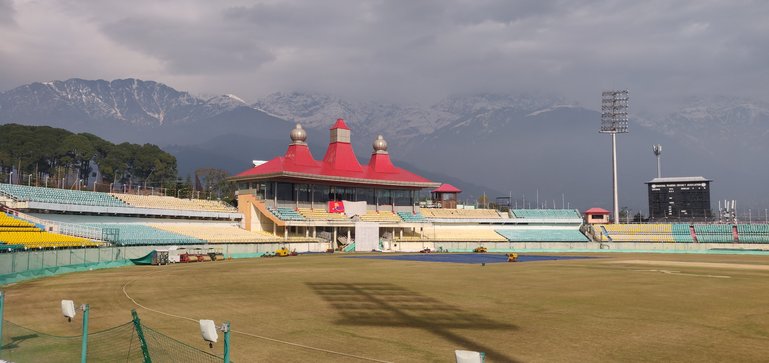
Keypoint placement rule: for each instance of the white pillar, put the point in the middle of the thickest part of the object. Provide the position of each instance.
(614, 175)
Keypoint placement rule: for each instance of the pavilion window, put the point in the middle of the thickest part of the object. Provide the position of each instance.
(384, 197)
(285, 191)
(365, 195)
(401, 197)
(303, 192)
(322, 193)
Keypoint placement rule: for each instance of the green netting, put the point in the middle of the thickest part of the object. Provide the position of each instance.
(57, 270)
(118, 344)
(163, 348)
(22, 344)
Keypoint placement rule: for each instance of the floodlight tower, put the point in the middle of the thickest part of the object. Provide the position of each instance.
(614, 120)
(657, 148)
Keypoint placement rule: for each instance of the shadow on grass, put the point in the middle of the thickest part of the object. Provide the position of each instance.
(388, 305)
(17, 340)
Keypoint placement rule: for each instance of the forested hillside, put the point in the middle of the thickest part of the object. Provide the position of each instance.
(37, 154)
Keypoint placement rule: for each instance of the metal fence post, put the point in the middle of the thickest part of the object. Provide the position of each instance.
(84, 348)
(140, 334)
(226, 342)
(2, 305)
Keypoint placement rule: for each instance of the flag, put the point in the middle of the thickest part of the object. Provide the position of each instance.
(336, 206)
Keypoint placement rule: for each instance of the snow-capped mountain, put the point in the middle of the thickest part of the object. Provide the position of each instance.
(510, 143)
(129, 101)
(127, 109)
(314, 110)
(407, 122)
(720, 122)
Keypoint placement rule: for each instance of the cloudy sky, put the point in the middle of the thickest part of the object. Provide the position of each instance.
(397, 51)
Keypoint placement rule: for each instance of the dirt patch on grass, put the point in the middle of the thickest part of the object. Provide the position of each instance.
(716, 265)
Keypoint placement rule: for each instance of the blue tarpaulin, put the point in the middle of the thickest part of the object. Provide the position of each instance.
(466, 257)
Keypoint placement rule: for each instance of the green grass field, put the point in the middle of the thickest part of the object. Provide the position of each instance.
(592, 310)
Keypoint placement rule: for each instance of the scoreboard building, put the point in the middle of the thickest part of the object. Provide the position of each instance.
(679, 198)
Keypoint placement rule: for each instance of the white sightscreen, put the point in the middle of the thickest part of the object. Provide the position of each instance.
(366, 236)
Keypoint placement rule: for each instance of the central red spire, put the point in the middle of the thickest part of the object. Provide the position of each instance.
(339, 155)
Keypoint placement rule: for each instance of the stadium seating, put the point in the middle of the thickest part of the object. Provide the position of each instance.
(753, 228)
(18, 234)
(139, 234)
(440, 213)
(381, 216)
(320, 215)
(215, 232)
(41, 239)
(286, 214)
(8, 221)
(60, 196)
(463, 235)
(547, 213)
(714, 233)
(753, 233)
(164, 202)
(542, 235)
(654, 232)
(412, 217)
(682, 233)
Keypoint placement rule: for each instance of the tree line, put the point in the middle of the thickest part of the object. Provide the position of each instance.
(43, 152)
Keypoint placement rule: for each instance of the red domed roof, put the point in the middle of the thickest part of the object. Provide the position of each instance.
(597, 211)
(338, 165)
(446, 188)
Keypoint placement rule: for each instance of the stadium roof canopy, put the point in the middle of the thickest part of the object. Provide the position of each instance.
(339, 165)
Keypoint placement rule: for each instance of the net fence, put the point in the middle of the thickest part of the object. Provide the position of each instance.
(163, 348)
(117, 344)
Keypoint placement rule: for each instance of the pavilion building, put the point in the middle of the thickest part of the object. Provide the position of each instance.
(299, 195)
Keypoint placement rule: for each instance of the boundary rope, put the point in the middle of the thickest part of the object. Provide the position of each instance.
(242, 332)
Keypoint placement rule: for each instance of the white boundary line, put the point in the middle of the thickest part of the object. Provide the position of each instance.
(671, 272)
(245, 333)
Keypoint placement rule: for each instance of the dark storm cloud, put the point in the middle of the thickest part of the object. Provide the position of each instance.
(7, 12)
(187, 47)
(407, 50)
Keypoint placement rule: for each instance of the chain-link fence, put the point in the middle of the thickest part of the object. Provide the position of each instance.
(118, 344)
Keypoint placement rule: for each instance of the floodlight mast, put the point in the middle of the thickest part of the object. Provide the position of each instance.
(614, 120)
(657, 148)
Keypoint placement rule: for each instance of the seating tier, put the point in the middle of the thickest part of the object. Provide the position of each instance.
(165, 202)
(462, 235)
(440, 213)
(139, 234)
(412, 217)
(8, 221)
(286, 214)
(214, 233)
(542, 235)
(39, 239)
(381, 216)
(60, 196)
(320, 215)
(547, 213)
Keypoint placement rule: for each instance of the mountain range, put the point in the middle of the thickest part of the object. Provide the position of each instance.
(531, 146)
